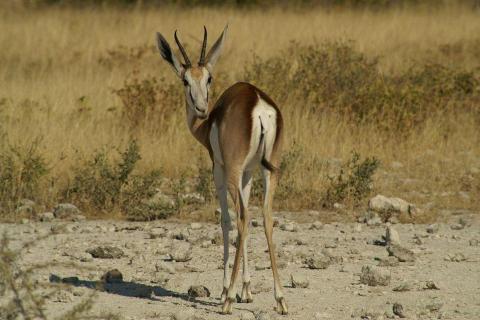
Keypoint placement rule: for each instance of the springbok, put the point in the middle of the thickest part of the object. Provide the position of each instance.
(241, 131)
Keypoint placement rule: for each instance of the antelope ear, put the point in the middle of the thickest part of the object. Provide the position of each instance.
(216, 50)
(168, 55)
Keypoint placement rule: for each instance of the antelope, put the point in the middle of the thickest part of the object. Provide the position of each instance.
(241, 131)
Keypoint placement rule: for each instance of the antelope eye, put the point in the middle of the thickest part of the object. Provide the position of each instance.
(209, 80)
(185, 82)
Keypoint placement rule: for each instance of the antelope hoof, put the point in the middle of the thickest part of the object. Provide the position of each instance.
(246, 293)
(223, 297)
(227, 306)
(282, 306)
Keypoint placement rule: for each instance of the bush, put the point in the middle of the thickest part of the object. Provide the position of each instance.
(22, 170)
(335, 78)
(353, 183)
(106, 185)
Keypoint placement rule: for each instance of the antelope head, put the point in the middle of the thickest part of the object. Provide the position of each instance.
(196, 79)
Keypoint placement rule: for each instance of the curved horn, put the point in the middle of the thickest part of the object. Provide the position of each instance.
(201, 62)
(182, 50)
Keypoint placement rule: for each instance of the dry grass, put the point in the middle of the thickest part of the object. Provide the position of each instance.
(59, 69)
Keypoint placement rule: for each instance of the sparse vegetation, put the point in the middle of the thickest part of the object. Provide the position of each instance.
(352, 80)
(104, 185)
(22, 168)
(353, 183)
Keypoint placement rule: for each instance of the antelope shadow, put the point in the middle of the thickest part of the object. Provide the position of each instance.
(128, 289)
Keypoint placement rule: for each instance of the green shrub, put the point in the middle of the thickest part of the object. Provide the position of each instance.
(107, 185)
(22, 171)
(353, 183)
(334, 77)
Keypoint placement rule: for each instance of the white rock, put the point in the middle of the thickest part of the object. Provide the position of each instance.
(391, 236)
(380, 203)
(195, 226)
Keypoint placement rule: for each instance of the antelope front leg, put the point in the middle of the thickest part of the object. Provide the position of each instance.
(226, 224)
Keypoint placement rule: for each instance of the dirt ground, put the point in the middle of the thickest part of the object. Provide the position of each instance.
(442, 283)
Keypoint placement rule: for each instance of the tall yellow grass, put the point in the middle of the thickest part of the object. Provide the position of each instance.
(58, 68)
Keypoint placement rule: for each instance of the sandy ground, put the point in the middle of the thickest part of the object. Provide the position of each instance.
(154, 287)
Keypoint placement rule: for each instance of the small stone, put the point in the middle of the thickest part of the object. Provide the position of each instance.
(255, 224)
(112, 276)
(46, 216)
(433, 228)
(198, 292)
(405, 286)
(162, 266)
(206, 243)
(391, 236)
(430, 285)
(457, 257)
(106, 252)
(298, 281)
(401, 253)
(300, 242)
(181, 254)
(375, 276)
(317, 225)
(25, 221)
(65, 211)
(262, 266)
(196, 226)
(290, 227)
(474, 242)
(318, 262)
(398, 310)
(457, 226)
